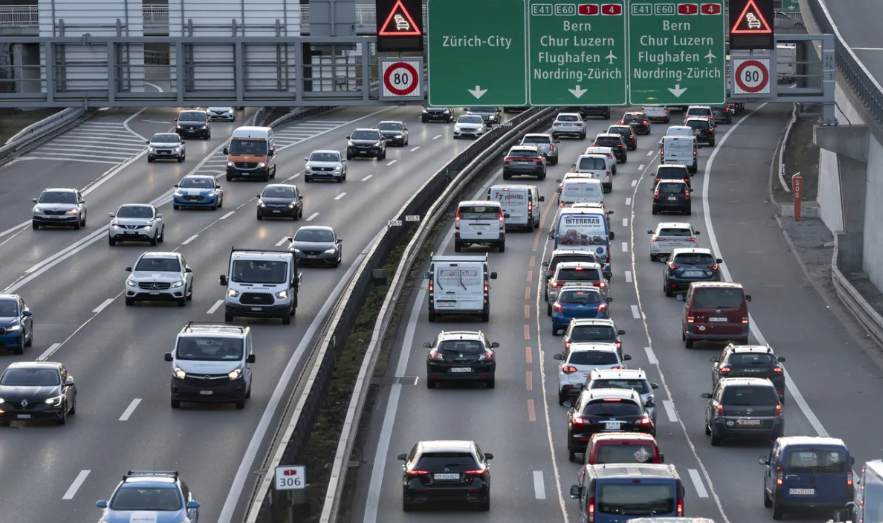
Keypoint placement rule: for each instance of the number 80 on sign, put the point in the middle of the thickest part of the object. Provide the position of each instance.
(401, 79)
(291, 477)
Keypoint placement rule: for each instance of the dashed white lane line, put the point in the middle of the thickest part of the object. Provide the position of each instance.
(628, 276)
(641, 167)
(280, 242)
(636, 314)
(670, 411)
(104, 304)
(216, 306)
(190, 239)
(436, 137)
(392, 162)
(229, 214)
(414, 148)
(539, 487)
(312, 216)
(628, 201)
(625, 222)
(365, 179)
(48, 352)
(697, 482)
(651, 357)
(130, 409)
(339, 196)
(649, 153)
(75, 486)
(625, 246)
(634, 182)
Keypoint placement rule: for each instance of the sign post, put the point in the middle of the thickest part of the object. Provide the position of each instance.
(797, 188)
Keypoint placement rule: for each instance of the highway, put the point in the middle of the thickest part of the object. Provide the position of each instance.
(860, 31)
(72, 280)
(520, 421)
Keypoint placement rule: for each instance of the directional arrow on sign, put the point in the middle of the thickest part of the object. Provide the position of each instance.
(710, 56)
(611, 57)
(677, 91)
(577, 92)
(478, 92)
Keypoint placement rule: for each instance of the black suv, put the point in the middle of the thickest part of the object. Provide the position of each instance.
(685, 266)
(722, 113)
(638, 121)
(743, 408)
(628, 135)
(604, 410)
(461, 356)
(524, 160)
(395, 132)
(444, 114)
(601, 110)
(366, 142)
(615, 142)
(749, 361)
(703, 130)
(671, 171)
(194, 123)
(672, 195)
(447, 470)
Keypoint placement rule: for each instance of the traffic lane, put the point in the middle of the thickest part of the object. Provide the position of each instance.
(162, 120)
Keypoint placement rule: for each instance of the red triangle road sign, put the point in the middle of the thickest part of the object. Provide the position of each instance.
(400, 23)
(751, 21)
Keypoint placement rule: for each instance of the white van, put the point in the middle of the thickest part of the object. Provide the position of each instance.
(680, 150)
(251, 153)
(480, 223)
(580, 190)
(459, 285)
(583, 229)
(261, 284)
(520, 204)
(598, 166)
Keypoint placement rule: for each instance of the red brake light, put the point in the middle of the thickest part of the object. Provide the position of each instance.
(778, 370)
(612, 400)
(457, 220)
(687, 192)
(618, 345)
(557, 284)
(778, 411)
(578, 269)
(556, 124)
(566, 344)
(673, 266)
(568, 369)
(591, 518)
(744, 319)
(602, 307)
(680, 507)
(690, 240)
(430, 286)
(780, 475)
(557, 307)
(718, 410)
(690, 319)
(645, 122)
(849, 478)
(476, 472)
(724, 370)
(581, 421)
(551, 147)
(713, 266)
(508, 159)
(418, 472)
(655, 194)
(656, 180)
(643, 421)
(437, 356)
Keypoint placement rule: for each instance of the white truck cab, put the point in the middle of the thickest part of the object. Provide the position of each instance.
(459, 285)
(261, 284)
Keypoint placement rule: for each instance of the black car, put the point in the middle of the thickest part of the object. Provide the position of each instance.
(627, 133)
(722, 113)
(524, 160)
(280, 201)
(446, 471)
(638, 122)
(703, 130)
(366, 143)
(749, 361)
(599, 110)
(672, 196)
(194, 123)
(515, 109)
(604, 410)
(743, 408)
(460, 356)
(615, 142)
(37, 391)
(671, 171)
(396, 133)
(16, 324)
(684, 266)
(444, 114)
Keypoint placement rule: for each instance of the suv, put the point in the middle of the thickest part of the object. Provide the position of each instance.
(715, 311)
(461, 356)
(672, 195)
(722, 113)
(545, 143)
(166, 146)
(638, 121)
(59, 207)
(595, 331)
(395, 132)
(151, 492)
(615, 142)
(685, 266)
(524, 160)
(669, 235)
(490, 115)
(212, 363)
(366, 142)
(194, 123)
(325, 165)
(160, 276)
(599, 110)
(671, 171)
(569, 124)
(136, 222)
(470, 125)
(566, 255)
(699, 111)
(743, 408)
(198, 190)
(635, 379)
(749, 361)
(628, 135)
(579, 360)
(574, 272)
(449, 470)
(703, 130)
(608, 410)
(445, 114)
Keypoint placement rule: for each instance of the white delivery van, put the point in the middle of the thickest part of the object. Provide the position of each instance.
(261, 284)
(520, 204)
(680, 150)
(583, 229)
(599, 167)
(459, 285)
(480, 223)
(251, 153)
(580, 190)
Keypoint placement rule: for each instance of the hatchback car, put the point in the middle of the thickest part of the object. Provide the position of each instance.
(635, 379)
(162, 495)
(598, 110)
(37, 391)
(749, 361)
(160, 276)
(198, 191)
(715, 311)
(545, 143)
(59, 207)
(166, 146)
(366, 143)
(604, 410)
(686, 265)
(325, 165)
(668, 236)
(637, 121)
(743, 408)
(16, 323)
(620, 447)
(672, 196)
(578, 301)
(136, 223)
(615, 142)
(434, 114)
(722, 113)
(194, 123)
(671, 171)
(628, 135)
(446, 471)
(461, 356)
(280, 201)
(227, 114)
(569, 124)
(317, 245)
(396, 132)
(524, 160)
(579, 360)
(703, 130)
(594, 332)
(570, 273)
(471, 125)
(566, 255)
(699, 111)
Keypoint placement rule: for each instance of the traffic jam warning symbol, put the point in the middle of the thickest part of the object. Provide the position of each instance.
(399, 23)
(752, 76)
(751, 21)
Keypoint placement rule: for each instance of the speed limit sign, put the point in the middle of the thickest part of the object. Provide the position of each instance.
(291, 477)
(401, 79)
(751, 76)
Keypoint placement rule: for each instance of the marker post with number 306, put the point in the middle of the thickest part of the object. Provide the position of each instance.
(291, 477)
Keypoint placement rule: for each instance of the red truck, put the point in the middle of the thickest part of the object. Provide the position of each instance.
(621, 447)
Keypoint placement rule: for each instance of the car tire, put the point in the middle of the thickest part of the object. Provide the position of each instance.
(612, 235)
(35, 225)
(296, 216)
(485, 506)
(689, 211)
(491, 383)
(778, 512)
(83, 223)
(240, 404)
(339, 180)
(688, 343)
(63, 419)
(182, 302)
(715, 439)
(176, 404)
(767, 502)
(260, 216)
(485, 316)
(180, 159)
(130, 302)
(308, 179)
(431, 316)
(555, 161)
(19, 349)
(215, 206)
(711, 143)
(654, 210)
(30, 341)
(221, 202)
(162, 235)
(548, 309)
(77, 226)
(111, 242)
(571, 455)
(154, 240)
(73, 409)
(554, 330)
(286, 319)
(707, 430)
(458, 246)
(228, 318)
(667, 290)
(561, 398)
(176, 207)
(408, 507)
(502, 247)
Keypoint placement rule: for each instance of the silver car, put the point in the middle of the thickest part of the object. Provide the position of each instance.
(160, 276)
(668, 236)
(325, 165)
(59, 208)
(545, 143)
(580, 359)
(469, 125)
(316, 245)
(222, 113)
(135, 222)
(635, 379)
(569, 124)
(166, 146)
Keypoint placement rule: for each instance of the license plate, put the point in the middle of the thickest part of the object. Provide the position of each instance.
(206, 392)
(461, 369)
(24, 416)
(312, 255)
(445, 303)
(692, 274)
(717, 319)
(256, 308)
(523, 163)
(612, 425)
(748, 421)
(480, 227)
(585, 374)
(154, 293)
(802, 491)
(672, 198)
(446, 476)
(277, 211)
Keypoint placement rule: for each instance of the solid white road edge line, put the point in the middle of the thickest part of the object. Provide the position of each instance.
(130, 409)
(75, 486)
(48, 352)
(697, 482)
(215, 307)
(651, 356)
(670, 409)
(539, 488)
(126, 125)
(101, 307)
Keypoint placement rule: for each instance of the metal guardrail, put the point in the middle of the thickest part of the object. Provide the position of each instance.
(39, 132)
(858, 306)
(155, 15)
(19, 16)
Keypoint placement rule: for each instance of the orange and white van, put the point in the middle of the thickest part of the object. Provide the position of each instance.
(251, 154)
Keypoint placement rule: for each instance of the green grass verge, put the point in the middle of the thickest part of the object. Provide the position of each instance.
(14, 120)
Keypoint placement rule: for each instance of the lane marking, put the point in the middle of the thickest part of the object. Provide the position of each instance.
(527, 293)
(436, 137)
(415, 148)
(628, 201)
(280, 242)
(539, 488)
(229, 214)
(48, 352)
(158, 88)
(312, 217)
(75, 486)
(649, 153)
(532, 260)
(641, 167)
(226, 513)
(190, 239)
(625, 222)
(130, 409)
(634, 182)
(625, 246)
(392, 162)
(628, 276)
(670, 411)
(528, 354)
(215, 307)
(365, 179)
(529, 276)
(635, 312)
(651, 357)
(529, 378)
(526, 331)
(527, 311)
(101, 307)
(697, 482)
(339, 196)
(531, 411)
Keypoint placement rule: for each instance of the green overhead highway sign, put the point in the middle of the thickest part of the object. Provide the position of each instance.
(677, 52)
(576, 53)
(476, 53)
(790, 6)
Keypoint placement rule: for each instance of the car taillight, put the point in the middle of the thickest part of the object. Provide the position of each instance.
(568, 369)
(418, 472)
(502, 218)
(687, 181)
(778, 370)
(557, 284)
(643, 421)
(673, 266)
(508, 159)
(654, 240)
(744, 319)
(591, 509)
(622, 122)
(680, 512)
(529, 206)
(849, 477)
(601, 284)
(581, 421)
(618, 367)
(437, 356)
(488, 355)
(430, 286)
(713, 266)
(724, 370)
(557, 307)
(618, 345)
(780, 475)
(485, 287)
(644, 122)
(556, 124)
(778, 411)
(579, 125)
(656, 194)
(691, 240)
(551, 147)
(566, 344)
(476, 472)
(690, 319)
(457, 220)
(656, 180)
(718, 410)
(687, 192)
(537, 159)
(608, 257)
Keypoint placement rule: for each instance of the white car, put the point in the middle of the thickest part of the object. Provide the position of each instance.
(160, 276)
(222, 113)
(325, 165)
(606, 151)
(580, 359)
(59, 207)
(569, 124)
(470, 125)
(668, 236)
(166, 146)
(136, 222)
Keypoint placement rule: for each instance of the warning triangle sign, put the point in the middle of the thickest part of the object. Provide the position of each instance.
(400, 23)
(751, 21)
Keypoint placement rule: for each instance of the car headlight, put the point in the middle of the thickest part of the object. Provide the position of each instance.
(282, 295)
(13, 328)
(179, 193)
(202, 127)
(179, 126)
(425, 111)
(447, 111)
(151, 149)
(297, 250)
(2, 400)
(376, 144)
(350, 144)
(230, 164)
(232, 293)
(261, 165)
(338, 168)
(400, 136)
(236, 374)
(177, 149)
(291, 205)
(55, 401)
(72, 211)
(148, 227)
(178, 283)
(211, 194)
(179, 373)
(262, 204)
(131, 283)
(331, 250)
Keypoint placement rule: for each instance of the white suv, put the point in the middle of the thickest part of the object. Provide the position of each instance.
(160, 276)
(570, 124)
(635, 379)
(580, 359)
(138, 223)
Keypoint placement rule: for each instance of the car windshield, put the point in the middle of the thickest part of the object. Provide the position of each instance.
(672, 173)
(537, 139)
(220, 109)
(592, 164)
(633, 117)
(58, 197)
(478, 212)
(366, 135)
(192, 116)
(194, 182)
(390, 126)
(667, 231)
(624, 454)
(279, 192)
(608, 141)
(447, 462)
(568, 274)
(30, 378)
(639, 386)
(158, 265)
(210, 349)
(135, 211)
(720, 298)
(593, 357)
(325, 157)
(750, 395)
(567, 118)
(521, 153)
(625, 131)
(314, 235)
(613, 407)
(699, 112)
(694, 258)
(8, 309)
(256, 147)
(586, 258)
(146, 498)
(470, 119)
(580, 297)
(165, 138)
(629, 499)
(583, 333)
(671, 188)
(816, 461)
(698, 124)
(259, 271)
(752, 358)
(461, 346)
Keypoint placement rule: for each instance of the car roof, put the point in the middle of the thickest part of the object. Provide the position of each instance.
(220, 330)
(668, 180)
(59, 189)
(34, 365)
(141, 480)
(620, 126)
(576, 264)
(752, 349)
(691, 250)
(484, 203)
(281, 185)
(608, 135)
(678, 165)
(677, 127)
(198, 176)
(315, 228)
(634, 113)
(566, 114)
(446, 445)
(580, 287)
(571, 252)
(135, 205)
(696, 119)
(597, 394)
(545, 135)
(161, 255)
(16, 296)
(461, 335)
(587, 346)
(674, 225)
(810, 440)
(592, 321)
(748, 382)
(261, 255)
(393, 121)
(523, 148)
(327, 150)
(366, 129)
(510, 186)
(716, 284)
(165, 134)
(609, 374)
(698, 107)
(619, 436)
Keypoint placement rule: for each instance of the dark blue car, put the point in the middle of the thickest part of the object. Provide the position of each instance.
(685, 266)
(578, 301)
(16, 323)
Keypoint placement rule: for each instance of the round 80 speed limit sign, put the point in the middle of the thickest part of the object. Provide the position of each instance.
(752, 76)
(401, 79)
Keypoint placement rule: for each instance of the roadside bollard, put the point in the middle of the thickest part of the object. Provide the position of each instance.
(797, 187)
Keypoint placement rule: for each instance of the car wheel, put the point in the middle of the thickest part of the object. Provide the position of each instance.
(548, 309)
(715, 439)
(180, 159)
(228, 318)
(491, 383)
(154, 240)
(74, 406)
(77, 225)
(20, 349)
(220, 202)
(308, 179)
(457, 246)
(612, 234)
(502, 247)
(63, 419)
(407, 507)
(431, 316)
(34, 225)
(689, 211)
(707, 430)
(485, 316)
(778, 512)
(654, 210)
(571, 455)
(130, 302)
(182, 302)
(240, 404)
(111, 242)
(260, 216)
(711, 143)
(176, 404)
(176, 207)
(688, 343)
(767, 502)
(83, 223)
(228, 177)
(30, 341)
(668, 291)
(162, 235)
(215, 206)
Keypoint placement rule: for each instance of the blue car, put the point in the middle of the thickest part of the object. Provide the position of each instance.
(578, 301)
(198, 191)
(160, 494)
(16, 323)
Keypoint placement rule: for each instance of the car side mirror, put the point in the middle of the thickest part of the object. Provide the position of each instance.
(718, 260)
(626, 357)
(306, 159)
(426, 275)
(654, 385)
(697, 233)
(551, 235)
(81, 201)
(402, 457)
(34, 200)
(691, 189)
(101, 504)
(223, 280)
(175, 186)
(347, 137)
(250, 358)
(544, 265)
(272, 152)
(851, 460)
(343, 161)
(167, 356)
(188, 269)
(557, 141)
(226, 151)
(713, 359)
(573, 166)
(112, 214)
(609, 300)
(493, 276)
(680, 297)
(780, 359)
(506, 215)
(159, 215)
(183, 142)
(747, 297)
(258, 196)
(427, 345)
(706, 395)
(559, 181)
(580, 457)
(495, 345)
(557, 357)
(763, 460)
(128, 269)
(193, 504)
(488, 456)
(649, 232)
(620, 331)
(147, 142)
(542, 198)
(27, 314)
(576, 491)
